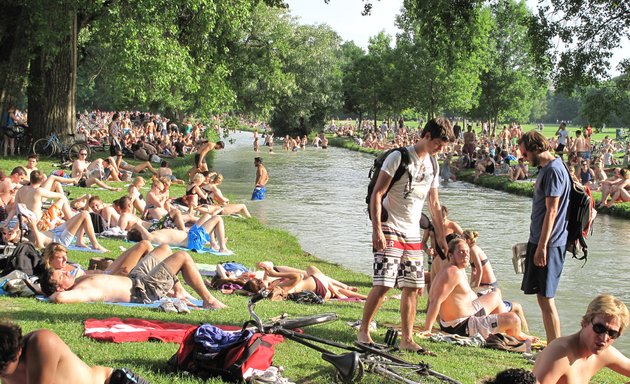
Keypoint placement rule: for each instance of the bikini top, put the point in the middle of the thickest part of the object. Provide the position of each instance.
(483, 262)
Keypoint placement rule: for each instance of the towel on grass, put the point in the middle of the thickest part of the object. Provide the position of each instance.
(205, 250)
(138, 330)
(197, 303)
(83, 249)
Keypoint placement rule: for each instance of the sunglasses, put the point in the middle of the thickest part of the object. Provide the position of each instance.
(601, 328)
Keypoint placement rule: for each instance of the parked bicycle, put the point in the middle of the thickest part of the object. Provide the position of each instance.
(360, 358)
(68, 148)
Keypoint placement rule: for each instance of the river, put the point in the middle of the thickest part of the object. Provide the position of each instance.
(318, 195)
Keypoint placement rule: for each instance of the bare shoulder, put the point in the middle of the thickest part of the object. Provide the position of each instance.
(44, 341)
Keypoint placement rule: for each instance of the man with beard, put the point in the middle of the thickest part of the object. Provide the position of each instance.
(547, 242)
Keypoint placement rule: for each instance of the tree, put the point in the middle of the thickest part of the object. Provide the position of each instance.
(588, 31)
(442, 55)
(314, 62)
(352, 56)
(508, 86)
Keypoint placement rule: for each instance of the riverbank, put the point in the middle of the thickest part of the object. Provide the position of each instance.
(251, 242)
(500, 183)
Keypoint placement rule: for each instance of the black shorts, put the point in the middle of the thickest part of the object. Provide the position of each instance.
(197, 160)
(543, 281)
(560, 148)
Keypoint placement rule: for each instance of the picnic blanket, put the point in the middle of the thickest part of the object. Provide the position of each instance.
(118, 330)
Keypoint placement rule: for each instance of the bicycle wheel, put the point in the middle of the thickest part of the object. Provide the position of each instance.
(305, 321)
(394, 368)
(44, 147)
(75, 149)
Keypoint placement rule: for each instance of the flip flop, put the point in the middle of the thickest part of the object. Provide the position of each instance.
(372, 345)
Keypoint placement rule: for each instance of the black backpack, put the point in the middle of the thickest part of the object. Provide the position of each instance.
(25, 258)
(402, 169)
(580, 216)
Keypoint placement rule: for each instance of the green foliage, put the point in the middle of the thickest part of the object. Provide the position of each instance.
(507, 90)
(586, 32)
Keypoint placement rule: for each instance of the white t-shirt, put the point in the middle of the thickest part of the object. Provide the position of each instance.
(563, 135)
(404, 214)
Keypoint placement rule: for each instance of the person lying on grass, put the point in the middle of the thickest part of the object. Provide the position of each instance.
(289, 280)
(42, 357)
(55, 256)
(152, 279)
(228, 282)
(197, 237)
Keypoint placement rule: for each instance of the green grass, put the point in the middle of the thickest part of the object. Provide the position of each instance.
(251, 242)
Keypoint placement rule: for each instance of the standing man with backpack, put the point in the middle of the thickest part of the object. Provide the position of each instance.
(395, 205)
(546, 247)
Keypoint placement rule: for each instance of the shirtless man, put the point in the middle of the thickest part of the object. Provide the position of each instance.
(158, 206)
(196, 238)
(262, 177)
(469, 141)
(92, 173)
(107, 212)
(202, 151)
(581, 146)
(575, 359)
(42, 357)
(128, 219)
(461, 311)
(10, 185)
(32, 195)
(152, 279)
(31, 164)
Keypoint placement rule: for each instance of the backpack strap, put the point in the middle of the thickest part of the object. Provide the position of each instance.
(247, 352)
(435, 165)
(403, 167)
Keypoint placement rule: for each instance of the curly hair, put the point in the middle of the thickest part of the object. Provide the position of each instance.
(513, 376)
(10, 343)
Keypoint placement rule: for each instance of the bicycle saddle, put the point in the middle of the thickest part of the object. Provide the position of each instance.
(345, 364)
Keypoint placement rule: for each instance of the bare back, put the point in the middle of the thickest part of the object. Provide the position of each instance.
(30, 197)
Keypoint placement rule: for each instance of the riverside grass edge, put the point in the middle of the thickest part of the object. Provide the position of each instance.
(251, 242)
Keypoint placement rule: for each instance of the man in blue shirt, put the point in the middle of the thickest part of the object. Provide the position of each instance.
(546, 247)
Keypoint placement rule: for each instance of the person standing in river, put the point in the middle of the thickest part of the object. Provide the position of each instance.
(396, 238)
(546, 247)
(262, 177)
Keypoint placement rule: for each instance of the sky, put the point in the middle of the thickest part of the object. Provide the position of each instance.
(344, 16)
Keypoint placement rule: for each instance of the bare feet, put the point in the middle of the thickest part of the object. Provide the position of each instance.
(116, 189)
(99, 247)
(364, 337)
(216, 304)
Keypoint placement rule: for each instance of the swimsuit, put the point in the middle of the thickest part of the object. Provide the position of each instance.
(259, 193)
(320, 289)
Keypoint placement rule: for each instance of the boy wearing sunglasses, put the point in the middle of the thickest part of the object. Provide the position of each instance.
(578, 357)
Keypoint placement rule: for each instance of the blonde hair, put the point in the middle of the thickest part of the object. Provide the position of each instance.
(138, 180)
(157, 183)
(471, 235)
(607, 306)
(49, 253)
(218, 178)
(199, 177)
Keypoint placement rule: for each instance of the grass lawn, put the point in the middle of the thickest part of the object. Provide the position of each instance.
(251, 242)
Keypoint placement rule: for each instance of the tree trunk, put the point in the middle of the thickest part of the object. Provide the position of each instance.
(14, 43)
(52, 84)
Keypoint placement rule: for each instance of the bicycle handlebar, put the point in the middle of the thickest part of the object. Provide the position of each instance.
(263, 293)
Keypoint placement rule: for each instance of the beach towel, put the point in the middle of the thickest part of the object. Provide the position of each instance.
(135, 330)
(197, 303)
(82, 249)
(205, 250)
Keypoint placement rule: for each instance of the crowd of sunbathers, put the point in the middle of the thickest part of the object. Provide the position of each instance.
(598, 165)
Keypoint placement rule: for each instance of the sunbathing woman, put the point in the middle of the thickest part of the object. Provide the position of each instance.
(135, 195)
(215, 195)
(483, 280)
(620, 191)
(315, 280)
(197, 199)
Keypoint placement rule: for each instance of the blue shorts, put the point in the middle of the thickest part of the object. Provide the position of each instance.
(197, 238)
(543, 281)
(259, 193)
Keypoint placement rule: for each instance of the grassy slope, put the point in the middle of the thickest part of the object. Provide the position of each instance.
(251, 242)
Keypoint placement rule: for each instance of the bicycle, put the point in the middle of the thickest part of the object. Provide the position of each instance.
(68, 148)
(360, 358)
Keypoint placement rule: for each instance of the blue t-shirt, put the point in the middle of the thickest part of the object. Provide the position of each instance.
(552, 180)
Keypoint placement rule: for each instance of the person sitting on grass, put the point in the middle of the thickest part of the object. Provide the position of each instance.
(167, 172)
(158, 205)
(135, 195)
(578, 357)
(195, 239)
(42, 357)
(128, 219)
(107, 212)
(215, 195)
(620, 191)
(485, 166)
(461, 312)
(519, 172)
(152, 279)
(94, 173)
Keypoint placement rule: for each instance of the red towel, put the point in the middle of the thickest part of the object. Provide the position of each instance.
(127, 330)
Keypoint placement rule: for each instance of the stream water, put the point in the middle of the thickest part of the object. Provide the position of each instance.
(318, 195)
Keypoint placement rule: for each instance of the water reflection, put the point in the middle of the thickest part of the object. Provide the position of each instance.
(318, 195)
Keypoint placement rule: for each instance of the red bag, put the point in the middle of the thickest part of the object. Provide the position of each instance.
(234, 363)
